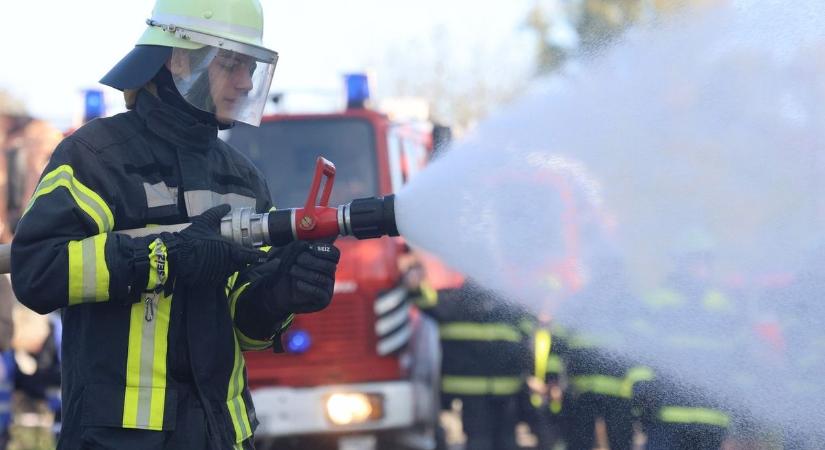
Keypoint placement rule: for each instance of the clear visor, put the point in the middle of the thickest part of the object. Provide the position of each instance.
(232, 85)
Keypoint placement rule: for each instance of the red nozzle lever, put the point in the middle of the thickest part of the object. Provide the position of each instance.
(318, 221)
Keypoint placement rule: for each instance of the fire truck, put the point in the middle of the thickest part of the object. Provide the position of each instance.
(363, 373)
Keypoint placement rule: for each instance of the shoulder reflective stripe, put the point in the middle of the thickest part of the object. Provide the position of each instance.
(144, 402)
(159, 194)
(246, 342)
(469, 331)
(158, 265)
(88, 273)
(199, 201)
(481, 385)
(599, 384)
(705, 416)
(234, 398)
(542, 352)
(89, 201)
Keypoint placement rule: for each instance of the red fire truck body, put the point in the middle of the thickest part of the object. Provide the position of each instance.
(365, 371)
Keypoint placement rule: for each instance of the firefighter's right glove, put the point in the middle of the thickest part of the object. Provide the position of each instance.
(201, 257)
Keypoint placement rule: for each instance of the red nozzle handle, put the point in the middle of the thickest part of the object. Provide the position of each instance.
(323, 168)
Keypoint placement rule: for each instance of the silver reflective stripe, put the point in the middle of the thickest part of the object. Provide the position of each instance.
(394, 341)
(389, 301)
(89, 270)
(199, 201)
(159, 194)
(79, 192)
(211, 25)
(392, 321)
(147, 367)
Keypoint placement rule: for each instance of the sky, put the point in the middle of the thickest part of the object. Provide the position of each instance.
(64, 47)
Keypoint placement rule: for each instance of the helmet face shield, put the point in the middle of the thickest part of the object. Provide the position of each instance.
(232, 85)
(222, 76)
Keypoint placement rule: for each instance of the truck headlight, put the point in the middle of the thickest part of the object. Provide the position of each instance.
(354, 407)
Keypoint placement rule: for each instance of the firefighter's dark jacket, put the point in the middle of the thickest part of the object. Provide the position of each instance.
(486, 342)
(132, 338)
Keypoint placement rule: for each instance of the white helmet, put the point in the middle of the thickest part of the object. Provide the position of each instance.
(217, 59)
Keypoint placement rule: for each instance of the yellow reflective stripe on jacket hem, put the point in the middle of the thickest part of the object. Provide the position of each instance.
(145, 398)
(234, 398)
(89, 201)
(88, 273)
(704, 416)
(481, 385)
(469, 331)
(246, 342)
(600, 384)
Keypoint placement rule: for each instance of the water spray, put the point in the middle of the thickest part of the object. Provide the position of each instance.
(362, 218)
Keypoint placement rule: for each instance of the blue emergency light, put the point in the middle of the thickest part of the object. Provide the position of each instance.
(358, 89)
(298, 341)
(94, 105)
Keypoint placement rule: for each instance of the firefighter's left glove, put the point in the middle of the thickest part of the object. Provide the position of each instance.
(299, 277)
(201, 257)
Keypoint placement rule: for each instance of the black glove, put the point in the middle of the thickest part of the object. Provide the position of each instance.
(301, 276)
(201, 257)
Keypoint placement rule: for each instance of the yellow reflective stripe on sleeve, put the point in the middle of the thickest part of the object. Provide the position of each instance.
(599, 384)
(145, 398)
(88, 272)
(246, 342)
(636, 375)
(469, 331)
(542, 344)
(88, 200)
(704, 416)
(461, 385)
(429, 296)
(234, 398)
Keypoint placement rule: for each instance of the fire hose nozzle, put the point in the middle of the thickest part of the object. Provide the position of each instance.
(363, 218)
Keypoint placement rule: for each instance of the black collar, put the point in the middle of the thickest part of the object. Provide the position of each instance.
(173, 125)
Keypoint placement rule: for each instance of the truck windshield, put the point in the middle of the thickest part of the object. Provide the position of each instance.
(285, 151)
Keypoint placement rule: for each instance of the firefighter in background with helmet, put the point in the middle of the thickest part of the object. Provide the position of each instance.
(485, 343)
(154, 326)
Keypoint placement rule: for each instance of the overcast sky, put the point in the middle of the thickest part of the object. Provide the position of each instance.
(53, 49)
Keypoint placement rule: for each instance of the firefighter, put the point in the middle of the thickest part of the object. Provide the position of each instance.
(485, 360)
(684, 317)
(543, 399)
(598, 386)
(154, 326)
